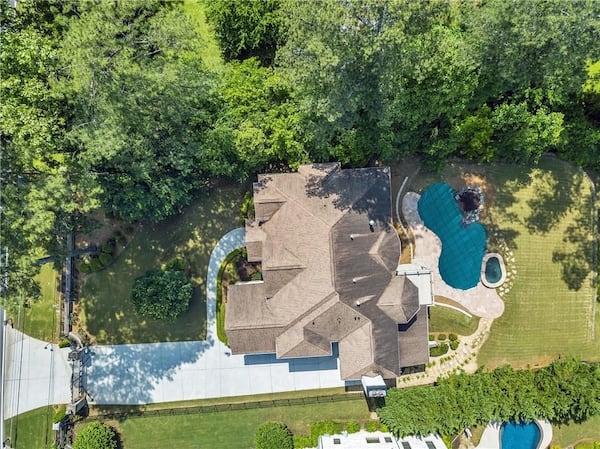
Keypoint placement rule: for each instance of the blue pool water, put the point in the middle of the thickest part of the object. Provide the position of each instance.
(520, 436)
(463, 246)
(493, 271)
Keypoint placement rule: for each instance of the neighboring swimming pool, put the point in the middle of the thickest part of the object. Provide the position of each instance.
(520, 436)
(463, 246)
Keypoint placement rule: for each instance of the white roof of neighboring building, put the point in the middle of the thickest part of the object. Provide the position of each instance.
(359, 440)
(430, 441)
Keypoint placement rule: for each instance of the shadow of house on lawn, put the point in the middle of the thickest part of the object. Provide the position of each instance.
(129, 374)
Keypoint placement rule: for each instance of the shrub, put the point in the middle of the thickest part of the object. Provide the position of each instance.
(64, 343)
(441, 349)
(85, 267)
(352, 427)
(105, 259)
(302, 441)
(431, 337)
(161, 295)
(454, 344)
(384, 427)
(273, 435)
(247, 209)
(452, 337)
(96, 436)
(121, 240)
(371, 426)
(60, 414)
(441, 337)
(108, 247)
(256, 276)
(129, 229)
(175, 264)
(95, 264)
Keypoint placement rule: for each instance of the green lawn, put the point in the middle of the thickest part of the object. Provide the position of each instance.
(544, 214)
(568, 435)
(41, 319)
(211, 54)
(232, 429)
(444, 319)
(31, 430)
(106, 310)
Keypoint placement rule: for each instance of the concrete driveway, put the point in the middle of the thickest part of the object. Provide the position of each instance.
(160, 372)
(36, 374)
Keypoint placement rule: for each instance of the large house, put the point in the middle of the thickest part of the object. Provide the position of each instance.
(329, 257)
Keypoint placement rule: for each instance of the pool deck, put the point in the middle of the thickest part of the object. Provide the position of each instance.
(480, 301)
(490, 439)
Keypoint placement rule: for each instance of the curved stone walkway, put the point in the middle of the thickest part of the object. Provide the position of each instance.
(463, 358)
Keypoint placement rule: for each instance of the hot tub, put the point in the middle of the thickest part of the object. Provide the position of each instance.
(493, 271)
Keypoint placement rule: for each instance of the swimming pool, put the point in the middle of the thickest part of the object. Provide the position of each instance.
(463, 245)
(520, 436)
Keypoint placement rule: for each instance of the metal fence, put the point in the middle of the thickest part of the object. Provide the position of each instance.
(120, 415)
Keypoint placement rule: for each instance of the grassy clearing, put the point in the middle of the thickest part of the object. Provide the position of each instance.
(544, 215)
(232, 429)
(568, 435)
(211, 54)
(106, 310)
(31, 430)
(41, 319)
(444, 319)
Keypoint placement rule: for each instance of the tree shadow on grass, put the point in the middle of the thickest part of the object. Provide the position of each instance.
(553, 199)
(577, 256)
(130, 374)
(192, 234)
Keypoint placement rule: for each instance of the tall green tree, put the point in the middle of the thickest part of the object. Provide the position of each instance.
(259, 122)
(247, 28)
(142, 103)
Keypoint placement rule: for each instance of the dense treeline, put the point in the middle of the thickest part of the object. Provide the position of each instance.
(110, 104)
(564, 392)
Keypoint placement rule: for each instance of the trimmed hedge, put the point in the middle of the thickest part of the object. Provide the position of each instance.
(439, 350)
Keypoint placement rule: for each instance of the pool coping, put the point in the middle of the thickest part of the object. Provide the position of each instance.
(490, 439)
(502, 279)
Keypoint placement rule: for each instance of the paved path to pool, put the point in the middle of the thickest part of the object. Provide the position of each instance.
(160, 372)
(479, 300)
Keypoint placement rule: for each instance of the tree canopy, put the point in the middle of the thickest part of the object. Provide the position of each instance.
(566, 391)
(109, 104)
(162, 294)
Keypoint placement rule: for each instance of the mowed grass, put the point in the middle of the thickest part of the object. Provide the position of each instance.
(106, 310)
(444, 319)
(210, 52)
(31, 430)
(232, 429)
(545, 215)
(567, 435)
(41, 319)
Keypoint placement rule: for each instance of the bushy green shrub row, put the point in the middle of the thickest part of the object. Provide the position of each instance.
(439, 350)
(566, 391)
